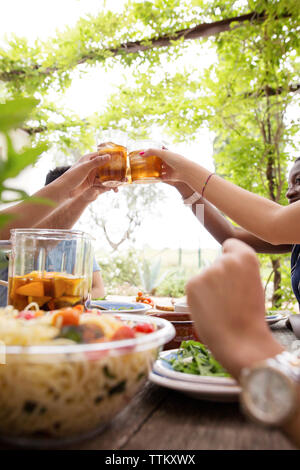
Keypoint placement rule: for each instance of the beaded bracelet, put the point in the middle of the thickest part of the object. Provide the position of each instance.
(205, 184)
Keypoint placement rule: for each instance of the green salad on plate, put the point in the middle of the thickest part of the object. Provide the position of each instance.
(194, 358)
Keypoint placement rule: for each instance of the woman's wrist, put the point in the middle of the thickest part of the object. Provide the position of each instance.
(194, 175)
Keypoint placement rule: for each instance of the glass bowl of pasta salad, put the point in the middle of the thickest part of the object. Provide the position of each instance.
(65, 374)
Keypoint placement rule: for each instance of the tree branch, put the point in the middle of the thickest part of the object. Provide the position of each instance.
(34, 130)
(267, 91)
(133, 47)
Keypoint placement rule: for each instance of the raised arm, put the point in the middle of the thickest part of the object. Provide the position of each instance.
(266, 219)
(67, 214)
(221, 229)
(64, 216)
(73, 183)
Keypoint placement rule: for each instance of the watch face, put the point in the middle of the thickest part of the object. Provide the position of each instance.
(269, 395)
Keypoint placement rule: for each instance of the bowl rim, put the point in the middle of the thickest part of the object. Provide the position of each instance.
(174, 322)
(162, 335)
(142, 307)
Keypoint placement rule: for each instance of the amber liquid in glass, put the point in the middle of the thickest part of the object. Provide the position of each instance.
(50, 290)
(143, 169)
(114, 171)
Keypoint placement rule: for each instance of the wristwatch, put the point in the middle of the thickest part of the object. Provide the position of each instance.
(192, 199)
(270, 389)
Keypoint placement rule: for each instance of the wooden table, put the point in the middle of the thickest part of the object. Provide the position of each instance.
(162, 419)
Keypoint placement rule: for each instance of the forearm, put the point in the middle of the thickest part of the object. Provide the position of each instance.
(78, 179)
(66, 215)
(260, 216)
(28, 214)
(98, 290)
(221, 229)
(217, 225)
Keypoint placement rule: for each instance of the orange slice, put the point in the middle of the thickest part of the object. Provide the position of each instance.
(35, 289)
(65, 286)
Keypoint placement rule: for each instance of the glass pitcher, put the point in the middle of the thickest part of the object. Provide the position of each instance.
(51, 268)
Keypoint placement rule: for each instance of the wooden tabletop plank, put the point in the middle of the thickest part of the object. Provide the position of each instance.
(184, 423)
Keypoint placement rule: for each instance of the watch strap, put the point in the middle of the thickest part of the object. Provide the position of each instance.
(288, 363)
(192, 199)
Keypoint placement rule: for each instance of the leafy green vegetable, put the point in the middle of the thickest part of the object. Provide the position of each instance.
(72, 332)
(123, 308)
(193, 358)
(81, 333)
(271, 313)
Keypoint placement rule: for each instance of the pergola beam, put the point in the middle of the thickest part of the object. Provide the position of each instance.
(133, 47)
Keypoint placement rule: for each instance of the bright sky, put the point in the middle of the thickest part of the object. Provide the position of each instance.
(175, 225)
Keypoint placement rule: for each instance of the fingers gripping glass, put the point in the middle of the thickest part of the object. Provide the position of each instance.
(113, 173)
(144, 169)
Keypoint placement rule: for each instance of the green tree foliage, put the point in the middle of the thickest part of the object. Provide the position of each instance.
(120, 272)
(12, 114)
(244, 97)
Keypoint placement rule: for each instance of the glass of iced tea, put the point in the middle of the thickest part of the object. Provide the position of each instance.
(144, 169)
(113, 173)
(51, 268)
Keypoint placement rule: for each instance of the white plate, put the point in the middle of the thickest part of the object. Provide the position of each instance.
(164, 369)
(272, 319)
(114, 306)
(200, 391)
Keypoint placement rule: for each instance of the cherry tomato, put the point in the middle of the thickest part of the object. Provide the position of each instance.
(27, 315)
(124, 332)
(144, 328)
